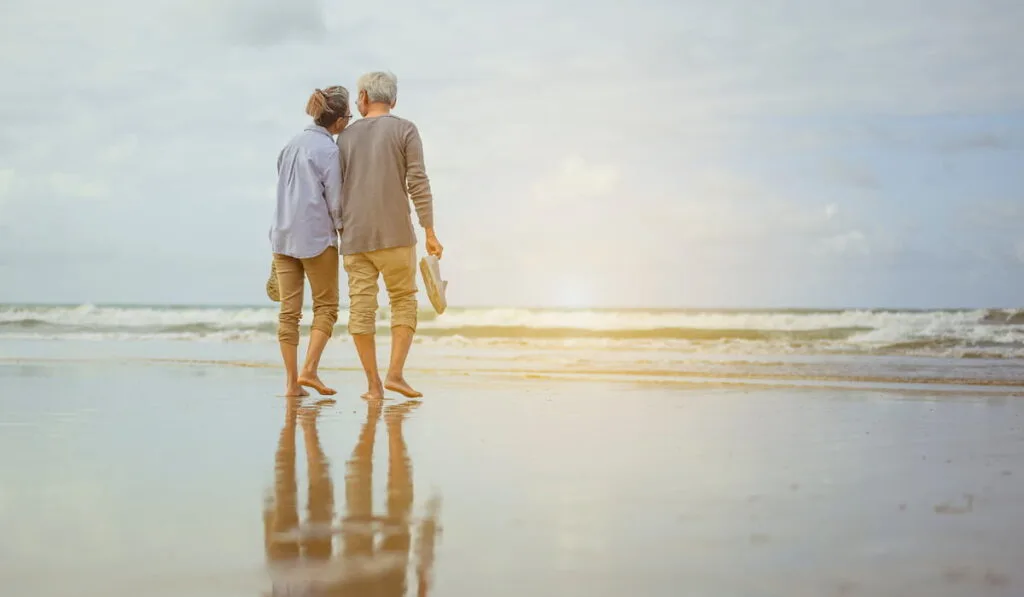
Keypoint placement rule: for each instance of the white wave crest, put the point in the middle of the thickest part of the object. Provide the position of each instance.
(945, 333)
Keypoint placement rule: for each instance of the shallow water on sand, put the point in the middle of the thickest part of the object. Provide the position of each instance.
(579, 363)
(194, 479)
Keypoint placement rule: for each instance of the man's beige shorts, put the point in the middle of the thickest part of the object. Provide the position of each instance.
(398, 267)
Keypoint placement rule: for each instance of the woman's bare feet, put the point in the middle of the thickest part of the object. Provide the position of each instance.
(295, 391)
(398, 384)
(375, 391)
(312, 380)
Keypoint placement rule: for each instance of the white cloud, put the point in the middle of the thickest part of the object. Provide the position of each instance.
(256, 22)
(575, 180)
(120, 151)
(1018, 250)
(6, 182)
(852, 242)
(989, 231)
(645, 134)
(70, 186)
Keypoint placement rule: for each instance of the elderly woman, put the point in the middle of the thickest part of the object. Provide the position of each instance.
(304, 237)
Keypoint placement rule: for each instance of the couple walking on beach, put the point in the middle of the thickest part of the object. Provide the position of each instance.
(351, 197)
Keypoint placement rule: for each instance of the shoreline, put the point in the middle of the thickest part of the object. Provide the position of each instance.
(680, 378)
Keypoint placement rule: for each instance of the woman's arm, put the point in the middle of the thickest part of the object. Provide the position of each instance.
(332, 187)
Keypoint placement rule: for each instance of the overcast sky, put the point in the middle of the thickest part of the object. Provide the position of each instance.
(649, 153)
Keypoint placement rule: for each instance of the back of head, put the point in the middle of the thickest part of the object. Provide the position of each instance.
(327, 105)
(380, 87)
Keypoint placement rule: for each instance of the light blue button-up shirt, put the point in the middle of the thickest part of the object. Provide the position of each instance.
(308, 212)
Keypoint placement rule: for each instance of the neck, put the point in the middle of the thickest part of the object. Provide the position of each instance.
(377, 110)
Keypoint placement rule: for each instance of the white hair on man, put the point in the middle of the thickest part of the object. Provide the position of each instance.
(380, 87)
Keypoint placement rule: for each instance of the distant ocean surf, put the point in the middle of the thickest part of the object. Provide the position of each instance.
(960, 334)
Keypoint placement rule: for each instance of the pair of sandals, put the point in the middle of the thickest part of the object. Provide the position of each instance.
(430, 270)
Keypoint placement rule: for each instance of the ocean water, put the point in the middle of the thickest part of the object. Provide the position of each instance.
(976, 347)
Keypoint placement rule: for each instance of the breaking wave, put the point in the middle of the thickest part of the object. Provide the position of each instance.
(948, 333)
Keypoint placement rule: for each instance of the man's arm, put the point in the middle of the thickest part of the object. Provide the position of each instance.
(417, 183)
(418, 187)
(332, 187)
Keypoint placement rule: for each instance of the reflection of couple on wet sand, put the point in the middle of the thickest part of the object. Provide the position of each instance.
(301, 557)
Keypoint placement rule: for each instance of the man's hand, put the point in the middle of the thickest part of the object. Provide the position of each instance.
(433, 245)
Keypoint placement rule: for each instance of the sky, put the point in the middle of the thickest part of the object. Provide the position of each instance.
(674, 153)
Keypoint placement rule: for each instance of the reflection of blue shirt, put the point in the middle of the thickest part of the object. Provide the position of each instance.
(308, 213)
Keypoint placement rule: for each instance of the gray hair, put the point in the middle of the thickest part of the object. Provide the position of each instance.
(380, 87)
(328, 105)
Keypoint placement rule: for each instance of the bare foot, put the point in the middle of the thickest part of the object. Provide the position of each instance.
(399, 385)
(313, 381)
(295, 391)
(374, 392)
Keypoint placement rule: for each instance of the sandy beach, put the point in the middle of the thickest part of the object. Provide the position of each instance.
(126, 476)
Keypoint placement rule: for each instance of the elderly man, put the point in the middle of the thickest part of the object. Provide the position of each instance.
(382, 170)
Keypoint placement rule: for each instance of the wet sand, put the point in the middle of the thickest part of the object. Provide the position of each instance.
(194, 479)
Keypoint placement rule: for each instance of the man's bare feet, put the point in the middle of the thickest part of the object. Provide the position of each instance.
(375, 391)
(399, 385)
(313, 381)
(295, 391)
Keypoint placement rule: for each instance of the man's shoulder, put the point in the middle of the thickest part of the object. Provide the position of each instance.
(388, 124)
(392, 122)
(401, 121)
(406, 126)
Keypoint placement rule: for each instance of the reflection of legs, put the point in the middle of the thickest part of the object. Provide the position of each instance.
(398, 266)
(322, 272)
(362, 319)
(428, 532)
(397, 536)
(281, 514)
(317, 543)
(290, 283)
(358, 534)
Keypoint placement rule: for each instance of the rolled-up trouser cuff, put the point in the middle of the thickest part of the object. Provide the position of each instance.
(324, 319)
(288, 333)
(361, 324)
(403, 312)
